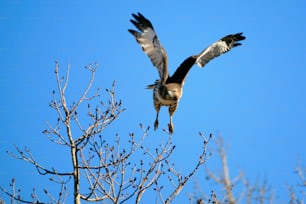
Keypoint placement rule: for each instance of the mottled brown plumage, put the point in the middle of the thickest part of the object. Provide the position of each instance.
(168, 90)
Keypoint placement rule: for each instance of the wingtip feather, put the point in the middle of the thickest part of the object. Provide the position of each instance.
(237, 44)
(134, 15)
(239, 36)
(131, 31)
(141, 21)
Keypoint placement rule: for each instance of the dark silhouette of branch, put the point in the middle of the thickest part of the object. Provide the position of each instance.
(27, 156)
(107, 168)
(183, 180)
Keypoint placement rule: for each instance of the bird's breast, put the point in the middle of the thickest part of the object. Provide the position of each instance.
(167, 95)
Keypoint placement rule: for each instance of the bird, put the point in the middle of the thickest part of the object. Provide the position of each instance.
(168, 90)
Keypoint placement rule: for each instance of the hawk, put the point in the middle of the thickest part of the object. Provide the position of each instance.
(167, 90)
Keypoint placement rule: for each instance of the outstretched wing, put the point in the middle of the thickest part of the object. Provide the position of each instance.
(150, 44)
(221, 46)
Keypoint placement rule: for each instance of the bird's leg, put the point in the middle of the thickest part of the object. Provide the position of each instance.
(156, 122)
(172, 109)
(157, 108)
(170, 126)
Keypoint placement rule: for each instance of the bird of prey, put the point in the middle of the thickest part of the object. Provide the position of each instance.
(168, 90)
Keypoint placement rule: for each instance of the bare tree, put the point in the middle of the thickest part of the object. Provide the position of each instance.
(245, 191)
(107, 169)
(298, 196)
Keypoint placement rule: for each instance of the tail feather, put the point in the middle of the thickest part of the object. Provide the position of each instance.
(151, 86)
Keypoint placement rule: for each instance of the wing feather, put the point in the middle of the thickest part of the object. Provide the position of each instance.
(222, 46)
(148, 40)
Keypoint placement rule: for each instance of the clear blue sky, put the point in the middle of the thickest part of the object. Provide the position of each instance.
(253, 96)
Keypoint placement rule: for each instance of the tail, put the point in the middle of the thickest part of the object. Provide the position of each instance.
(152, 86)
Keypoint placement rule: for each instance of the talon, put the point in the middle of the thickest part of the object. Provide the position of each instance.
(155, 124)
(171, 129)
